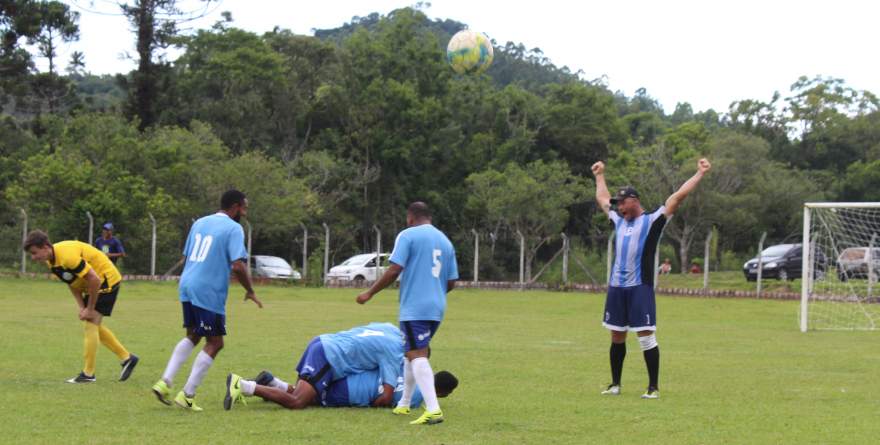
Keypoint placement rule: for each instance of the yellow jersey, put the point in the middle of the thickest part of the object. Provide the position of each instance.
(74, 259)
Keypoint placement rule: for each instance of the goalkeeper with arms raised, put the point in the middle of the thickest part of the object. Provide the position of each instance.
(630, 305)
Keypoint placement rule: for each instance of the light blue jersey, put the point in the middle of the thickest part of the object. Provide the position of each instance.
(635, 244)
(214, 242)
(428, 261)
(365, 387)
(376, 346)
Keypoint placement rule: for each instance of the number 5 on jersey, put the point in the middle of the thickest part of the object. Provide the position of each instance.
(200, 248)
(435, 271)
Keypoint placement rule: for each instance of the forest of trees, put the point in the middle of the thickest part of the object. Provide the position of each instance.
(348, 126)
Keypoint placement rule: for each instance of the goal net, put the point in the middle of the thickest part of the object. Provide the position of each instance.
(844, 255)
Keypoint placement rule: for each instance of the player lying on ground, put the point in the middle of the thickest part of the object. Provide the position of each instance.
(357, 390)
(94, 282)
(331, 357)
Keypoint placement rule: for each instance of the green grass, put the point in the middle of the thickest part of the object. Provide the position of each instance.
(531, 366)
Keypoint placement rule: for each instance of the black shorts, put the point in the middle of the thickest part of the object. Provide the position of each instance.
(106, 301)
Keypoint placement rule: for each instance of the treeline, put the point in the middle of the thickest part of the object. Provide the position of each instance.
(349, 126)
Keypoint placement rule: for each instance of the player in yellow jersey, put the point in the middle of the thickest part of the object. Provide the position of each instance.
(94, 282)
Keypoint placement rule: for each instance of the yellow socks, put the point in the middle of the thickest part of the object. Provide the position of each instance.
(109, 340)
(90, 347)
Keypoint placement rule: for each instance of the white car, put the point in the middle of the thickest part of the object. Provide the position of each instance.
(273, 267)
(359, 267)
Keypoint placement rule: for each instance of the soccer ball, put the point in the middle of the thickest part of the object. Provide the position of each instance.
(469, 52)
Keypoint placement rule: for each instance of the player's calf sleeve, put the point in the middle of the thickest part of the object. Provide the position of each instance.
(409, 384)
(109, 340)
(424, 377)
(616, 355)
(90, 347)
(178, 357)
(199, 371)
(648, 342)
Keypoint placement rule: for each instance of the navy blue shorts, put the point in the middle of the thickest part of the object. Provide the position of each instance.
(336, 395)
(314, 368)
(203, 322)
(418, 333)
(630, 309)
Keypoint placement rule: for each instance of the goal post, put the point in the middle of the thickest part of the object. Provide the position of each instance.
(840, 249)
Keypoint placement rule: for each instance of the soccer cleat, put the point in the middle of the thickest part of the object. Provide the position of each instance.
(401, 411)
(128, 366)
(187, 403)
(264, 378)
(82, 378)
(162, 392)
(612, 390)
(651, 393)
(429, 418)
(233, 391)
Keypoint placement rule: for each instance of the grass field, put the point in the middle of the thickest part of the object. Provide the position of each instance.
(531, 366)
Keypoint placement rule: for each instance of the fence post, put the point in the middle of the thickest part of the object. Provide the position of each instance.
(706, 261)
(326, 250)
(608, 263)
(522, 259)
(476, 256)
(305, 264)
(760, 261)
(153, 247)
(24, 232)
(249, 243)
(91, 226)
(565, 247)
(872, 277)
(378, 251)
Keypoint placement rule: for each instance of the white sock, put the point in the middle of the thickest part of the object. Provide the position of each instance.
(247, 387)
(178, 357)
(409, 384)
(280, 384)
(199, 370)
(424, 377)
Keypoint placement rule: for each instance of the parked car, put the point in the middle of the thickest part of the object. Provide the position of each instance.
(359, 267)
(853, 263)
(783, 262)
(266, 266)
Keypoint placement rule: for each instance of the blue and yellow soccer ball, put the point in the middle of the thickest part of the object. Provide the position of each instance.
(469, 52)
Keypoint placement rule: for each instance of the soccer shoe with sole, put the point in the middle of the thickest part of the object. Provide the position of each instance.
(233, 391)
(401, 411)
(82, 378)
(612, 390)
(162, 392)
(651, 393)
(187, 403)
(128, 366)
(264, 378)
(429, 418)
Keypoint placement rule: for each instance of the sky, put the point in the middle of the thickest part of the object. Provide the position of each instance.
(708, 53)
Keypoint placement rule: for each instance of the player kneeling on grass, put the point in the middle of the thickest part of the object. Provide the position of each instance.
(357, 390)
(94, 282)
(331, 357)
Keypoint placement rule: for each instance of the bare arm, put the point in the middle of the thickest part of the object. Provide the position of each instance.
(603, 196)
(450, 285)
(240, 269)
(676, 198)
(87, 310)
(386, 398)
(387, 278)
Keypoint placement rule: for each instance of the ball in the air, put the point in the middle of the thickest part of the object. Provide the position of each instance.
(469, 52)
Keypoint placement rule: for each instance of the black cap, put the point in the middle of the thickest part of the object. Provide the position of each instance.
(626, 192)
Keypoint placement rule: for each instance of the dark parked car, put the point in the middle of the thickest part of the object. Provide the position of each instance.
(783, 262)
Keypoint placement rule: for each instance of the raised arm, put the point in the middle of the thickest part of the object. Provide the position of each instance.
(603, 196)
(676, 198)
